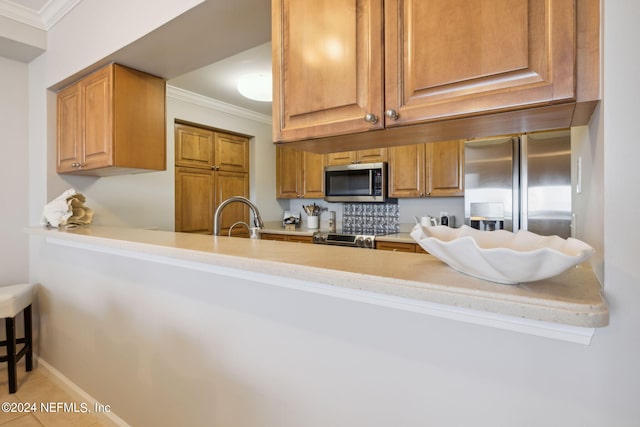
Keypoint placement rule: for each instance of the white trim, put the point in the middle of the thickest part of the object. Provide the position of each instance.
(55, 10)
(44, 18)
(574, 334)
(204, 101)
(106, 418)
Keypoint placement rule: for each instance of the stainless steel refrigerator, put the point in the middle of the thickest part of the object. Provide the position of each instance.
(521, 182)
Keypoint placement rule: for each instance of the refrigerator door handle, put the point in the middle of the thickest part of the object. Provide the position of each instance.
(521, 183)
(524, 184)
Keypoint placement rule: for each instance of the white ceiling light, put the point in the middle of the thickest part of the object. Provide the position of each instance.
(256, 86)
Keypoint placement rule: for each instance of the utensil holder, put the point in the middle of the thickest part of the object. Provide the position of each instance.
(312, 222)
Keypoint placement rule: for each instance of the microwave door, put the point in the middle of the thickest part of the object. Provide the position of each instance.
(354, 183)
(371, 178)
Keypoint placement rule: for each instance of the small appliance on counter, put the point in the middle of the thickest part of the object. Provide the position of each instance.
(291, 220)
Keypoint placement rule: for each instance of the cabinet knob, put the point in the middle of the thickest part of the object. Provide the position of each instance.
(371, 118)
(392, 114)
(76, 165)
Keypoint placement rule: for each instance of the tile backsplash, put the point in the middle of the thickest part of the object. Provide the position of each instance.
(370, 218)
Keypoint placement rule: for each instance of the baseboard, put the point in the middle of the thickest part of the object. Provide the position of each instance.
(106, 418)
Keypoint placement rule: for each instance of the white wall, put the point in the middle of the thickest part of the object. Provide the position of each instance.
(14, 173)
(274, 357)
(588, 149)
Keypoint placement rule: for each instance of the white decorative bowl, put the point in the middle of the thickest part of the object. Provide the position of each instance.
(501, 256)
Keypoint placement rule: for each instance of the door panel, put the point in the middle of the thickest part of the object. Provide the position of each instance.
(313, 172)
(327, 67)
(98, 120)
(194, 200)
(69, 128)
(446, 164)
(194, 146)
(232, 153)
(407, 171)
(455, 58)
(232, 184)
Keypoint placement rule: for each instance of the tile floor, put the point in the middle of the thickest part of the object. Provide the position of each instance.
(37, 388)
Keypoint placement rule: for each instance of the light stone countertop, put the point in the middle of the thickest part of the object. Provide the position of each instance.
(572, 298)
(277, 228)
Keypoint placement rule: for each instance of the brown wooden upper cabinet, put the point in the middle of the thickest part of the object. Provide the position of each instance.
(112, 122)
(433, 169)
(202, 148)
(299, 174)
(349, 66)
(373, 155)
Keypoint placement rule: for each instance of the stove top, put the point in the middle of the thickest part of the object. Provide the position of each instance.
(366, 241)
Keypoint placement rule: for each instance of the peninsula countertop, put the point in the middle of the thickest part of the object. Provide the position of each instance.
(572, 298)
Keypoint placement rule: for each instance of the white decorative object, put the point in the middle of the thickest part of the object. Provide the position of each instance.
(501, 256)
(68, 210)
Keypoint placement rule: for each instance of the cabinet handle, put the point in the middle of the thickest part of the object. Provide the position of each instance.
(371, 118)
(76, 165)
(392, 114)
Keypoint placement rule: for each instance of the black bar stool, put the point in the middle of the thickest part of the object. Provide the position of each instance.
(13, 300)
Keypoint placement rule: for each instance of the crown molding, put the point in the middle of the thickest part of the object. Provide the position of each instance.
(214, 104)
(42, 19)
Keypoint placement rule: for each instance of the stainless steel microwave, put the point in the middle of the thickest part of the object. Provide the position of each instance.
(360, 182)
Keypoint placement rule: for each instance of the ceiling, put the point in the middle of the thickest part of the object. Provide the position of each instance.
(235, 36)
(219, 80)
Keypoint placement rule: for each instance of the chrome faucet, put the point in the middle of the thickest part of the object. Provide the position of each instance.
(257, 220)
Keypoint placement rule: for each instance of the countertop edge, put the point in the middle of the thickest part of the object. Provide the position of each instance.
(558, 320)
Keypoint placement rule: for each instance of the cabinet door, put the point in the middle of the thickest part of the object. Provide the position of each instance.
(445, 162)
(195, 200)
(231, 153)
(396, 246)
(342, 158)
(273, 236)
(98, 119)
(299, 239)
(69, 129)
(194, 146)
(229, 184)
(453, 58)
(328, 67)
(407, 171)
(313, 175)
(288, 185)
(374, 155)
